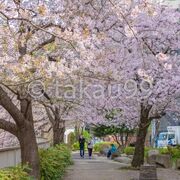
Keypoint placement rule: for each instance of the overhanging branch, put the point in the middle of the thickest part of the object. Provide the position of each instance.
(9, 126)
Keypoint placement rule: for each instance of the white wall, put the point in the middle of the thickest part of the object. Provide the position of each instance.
(12, 156)
(174, 3)
(67, 132)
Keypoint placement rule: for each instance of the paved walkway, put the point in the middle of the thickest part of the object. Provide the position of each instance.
(100, 168)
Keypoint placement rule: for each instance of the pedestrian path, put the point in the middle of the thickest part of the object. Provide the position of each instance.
(97, 168)
(101, 168)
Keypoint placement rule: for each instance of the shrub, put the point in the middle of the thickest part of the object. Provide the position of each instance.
(53, 162)
(15, 173)
(146, 150)
(163, 151)
(129, 150)
(86, 135)
(71, 138)
(75, 146)
(99, 147)
(174, 152)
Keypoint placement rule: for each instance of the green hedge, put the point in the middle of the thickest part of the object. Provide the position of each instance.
(71, 138)
(99, 147)
(173, 151)
(163, 151)
(14, 173)
(75, 146)
(129, 150)
(53, 162)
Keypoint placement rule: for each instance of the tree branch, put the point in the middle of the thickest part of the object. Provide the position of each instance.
(10, 107)
(10, 89)
(40, 46)
(37, 27)
(9, 126)
(51, 119)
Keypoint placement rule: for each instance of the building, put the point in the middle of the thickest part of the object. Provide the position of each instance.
(170, 119)
(173, 3)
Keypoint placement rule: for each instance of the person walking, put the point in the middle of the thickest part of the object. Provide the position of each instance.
(81, 145)
(90, 148)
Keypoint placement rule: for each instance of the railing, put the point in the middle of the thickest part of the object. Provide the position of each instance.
(12, 156)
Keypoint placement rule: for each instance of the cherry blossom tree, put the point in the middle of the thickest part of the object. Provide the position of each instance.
(56, 114)
(127, 51)
(137, 56)
(27, 28)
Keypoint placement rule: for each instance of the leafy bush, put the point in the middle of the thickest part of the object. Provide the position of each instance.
(53, 162)
(75, 146)
(129, 150)
(174, 152)
(86, 135)
(71, 138)
(146, 150)
(99, 147)
(15, 173)
(163, 151)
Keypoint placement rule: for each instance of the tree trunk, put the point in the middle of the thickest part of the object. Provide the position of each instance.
(58, 132)
(27, 138)
(138, 158)
(56, 135)
(23, 128)
(29, 150)
(122, 140)
(115, 137)
(62, 135)
(126, 139)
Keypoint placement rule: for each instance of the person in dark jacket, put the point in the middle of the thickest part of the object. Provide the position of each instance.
(81, 145)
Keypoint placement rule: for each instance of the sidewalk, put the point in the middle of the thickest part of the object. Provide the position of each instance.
(100, 168)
